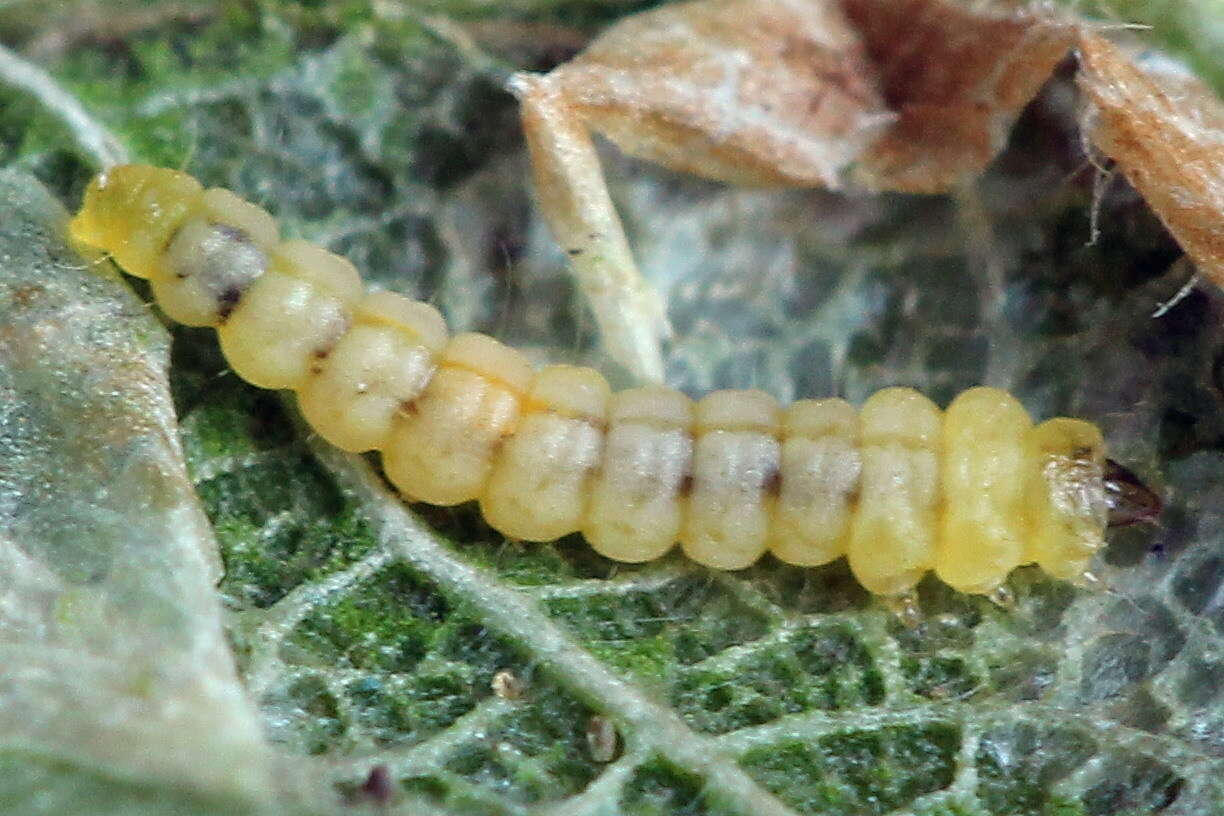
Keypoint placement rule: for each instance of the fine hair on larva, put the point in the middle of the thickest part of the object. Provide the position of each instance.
(898, 486)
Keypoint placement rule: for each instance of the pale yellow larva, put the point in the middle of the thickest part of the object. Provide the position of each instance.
(899, 488)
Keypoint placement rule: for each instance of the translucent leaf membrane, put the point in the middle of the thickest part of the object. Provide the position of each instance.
(114, 664)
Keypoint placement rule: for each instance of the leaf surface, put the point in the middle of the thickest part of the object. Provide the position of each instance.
(368, 633)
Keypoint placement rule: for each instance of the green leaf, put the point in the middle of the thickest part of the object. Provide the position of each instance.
(252, 622)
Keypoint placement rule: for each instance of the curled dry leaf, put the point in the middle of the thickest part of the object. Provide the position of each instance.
(906, 95)
(921, 93)
(1166, 132)
(736, 90)
(955, 79)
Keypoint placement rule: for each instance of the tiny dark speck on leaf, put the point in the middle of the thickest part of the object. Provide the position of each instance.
(378, 786)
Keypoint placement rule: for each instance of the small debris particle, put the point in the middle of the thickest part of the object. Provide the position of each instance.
(601, 738)
(507, 685)
(378, 786)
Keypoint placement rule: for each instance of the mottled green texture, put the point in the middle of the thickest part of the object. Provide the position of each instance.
(471, 666)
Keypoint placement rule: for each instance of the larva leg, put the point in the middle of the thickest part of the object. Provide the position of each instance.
(574, 198)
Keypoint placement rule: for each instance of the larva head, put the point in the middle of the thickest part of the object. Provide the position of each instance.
(131, 211)
(1068, 499)
(1130, 500)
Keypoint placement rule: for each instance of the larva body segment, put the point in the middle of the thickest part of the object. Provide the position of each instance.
(1066, 495)
(441, 450)
(291, 317)
(539, 485)
(899, 487)
(212, 257)
(735, 475)
(384, 362)
(985, 514)
(892, 539)
(821, 468)
(636, 509)
(132, 211)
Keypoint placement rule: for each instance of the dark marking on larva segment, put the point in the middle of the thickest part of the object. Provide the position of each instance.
(319, 356)
(226, 231)
(169, 242)
(378, 786)
(409, 408)
(227, 302)
(220, 261)
(321, 353)
(687, 482)
(852, 497)
(575, 251)
(598, 423)
(772, 485)
(231, 232)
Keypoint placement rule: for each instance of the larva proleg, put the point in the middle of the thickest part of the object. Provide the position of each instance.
(898, 487)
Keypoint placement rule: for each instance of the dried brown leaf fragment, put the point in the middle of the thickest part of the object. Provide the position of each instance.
(1165, 130)
(956, 79)
(744, 91)
(914, 96)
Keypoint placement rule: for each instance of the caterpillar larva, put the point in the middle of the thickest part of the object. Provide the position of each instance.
(898, 487)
